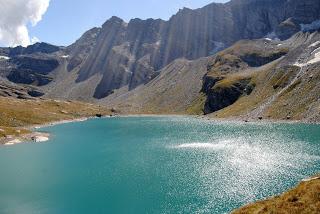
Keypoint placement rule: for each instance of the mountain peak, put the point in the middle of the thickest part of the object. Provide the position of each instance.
(114, 20)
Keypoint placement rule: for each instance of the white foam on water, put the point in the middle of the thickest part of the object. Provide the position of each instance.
(199, 145)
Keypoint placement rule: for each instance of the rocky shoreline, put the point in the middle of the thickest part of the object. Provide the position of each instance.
(20, 119)
(36, 137)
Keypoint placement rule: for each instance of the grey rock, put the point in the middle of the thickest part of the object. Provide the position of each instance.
(221, 97)
(32, 69)
(287, 28)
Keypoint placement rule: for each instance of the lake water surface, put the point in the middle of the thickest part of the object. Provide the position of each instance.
(155, 165)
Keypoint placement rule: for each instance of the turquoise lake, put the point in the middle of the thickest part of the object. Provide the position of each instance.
(155, 165)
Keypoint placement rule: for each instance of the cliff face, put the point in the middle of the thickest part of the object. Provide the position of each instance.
(124, 54)
(31, 65)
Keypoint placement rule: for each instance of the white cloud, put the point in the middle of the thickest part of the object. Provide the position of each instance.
(14, 18)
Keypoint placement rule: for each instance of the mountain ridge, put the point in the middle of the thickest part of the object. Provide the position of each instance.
(121, 57)
(140, 58)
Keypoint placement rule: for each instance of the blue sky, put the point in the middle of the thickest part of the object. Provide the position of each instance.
(66, 20)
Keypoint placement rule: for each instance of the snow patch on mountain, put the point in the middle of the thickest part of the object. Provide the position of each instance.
(315, 59)
(271, 36)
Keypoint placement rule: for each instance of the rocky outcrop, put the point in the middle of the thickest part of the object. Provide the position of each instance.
(257, 60)
(32, 70)
(14, 91)
(222, 95)
(230, 72)
(31, 65)
(287, 28)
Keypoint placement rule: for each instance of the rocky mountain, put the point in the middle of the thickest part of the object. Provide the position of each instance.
(282, 83)
(174, 90)
(9, 89)
(158, 66)
(29, 65)
(253, 79)
(132, 53)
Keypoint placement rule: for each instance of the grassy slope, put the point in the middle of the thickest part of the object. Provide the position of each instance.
(269, 83)
(16, 114)
(303, 199)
